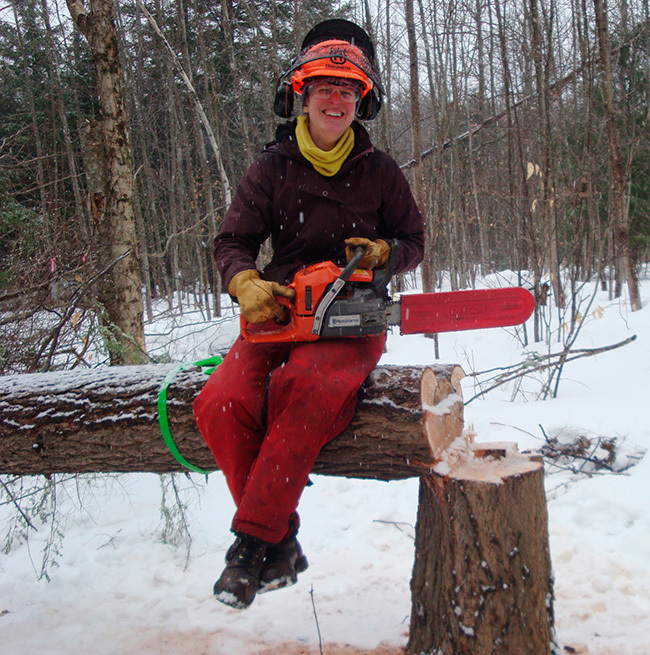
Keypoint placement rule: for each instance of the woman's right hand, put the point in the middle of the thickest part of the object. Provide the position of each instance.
(256, 297)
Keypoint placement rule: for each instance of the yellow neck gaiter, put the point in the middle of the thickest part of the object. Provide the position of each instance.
(326, 162)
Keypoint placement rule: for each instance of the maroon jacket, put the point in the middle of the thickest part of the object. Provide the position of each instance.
(309, 216)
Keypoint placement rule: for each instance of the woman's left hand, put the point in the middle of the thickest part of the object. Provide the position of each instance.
(375, 255)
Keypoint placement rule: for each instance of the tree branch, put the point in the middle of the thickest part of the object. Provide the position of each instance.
(522, 369)
(79, 15)
(555, 88)
(227, 194)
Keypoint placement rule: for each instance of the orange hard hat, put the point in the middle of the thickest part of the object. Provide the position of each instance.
(333, 58)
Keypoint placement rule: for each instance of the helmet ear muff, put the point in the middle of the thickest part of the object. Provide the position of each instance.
(369, 105)
(283, 102)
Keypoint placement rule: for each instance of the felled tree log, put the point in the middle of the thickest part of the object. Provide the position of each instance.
(482, 574)
(106, 420)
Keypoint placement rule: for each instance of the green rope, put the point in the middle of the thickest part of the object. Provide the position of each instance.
(163, 420)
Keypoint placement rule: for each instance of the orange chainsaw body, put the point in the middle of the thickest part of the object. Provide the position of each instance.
(310, 284)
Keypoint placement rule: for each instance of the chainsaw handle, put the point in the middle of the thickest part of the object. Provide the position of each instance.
(301, 328)
(381, 276)
(271, 331)
(352, 264)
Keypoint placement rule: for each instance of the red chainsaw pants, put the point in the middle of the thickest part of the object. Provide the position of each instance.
(268, 410)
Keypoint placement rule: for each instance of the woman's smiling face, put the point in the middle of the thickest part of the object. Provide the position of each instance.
(329, 117)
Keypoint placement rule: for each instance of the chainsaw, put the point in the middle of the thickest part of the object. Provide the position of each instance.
(350, 302)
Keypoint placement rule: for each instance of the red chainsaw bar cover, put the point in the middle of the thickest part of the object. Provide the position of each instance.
(473, 309)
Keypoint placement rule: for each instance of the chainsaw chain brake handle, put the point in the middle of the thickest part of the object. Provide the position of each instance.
(316, 288)
(333, 291)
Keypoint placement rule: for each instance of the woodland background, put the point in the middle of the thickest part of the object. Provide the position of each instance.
(521, 124)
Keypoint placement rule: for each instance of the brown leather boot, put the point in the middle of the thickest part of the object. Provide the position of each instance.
(240, 579)
(282, 564)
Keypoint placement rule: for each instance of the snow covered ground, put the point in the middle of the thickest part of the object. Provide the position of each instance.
(119, 590)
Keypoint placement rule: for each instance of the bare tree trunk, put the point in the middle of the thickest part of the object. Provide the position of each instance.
(483, 258)
(226, 25)
(120, 293)
(428, 271)
(61, 110)
(617, 201)
(427, 267)
(386, 115)
(138, 118)
(215, 214)
(549, 216)
(31, 103)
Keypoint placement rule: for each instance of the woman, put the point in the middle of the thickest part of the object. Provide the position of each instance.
(319, 190)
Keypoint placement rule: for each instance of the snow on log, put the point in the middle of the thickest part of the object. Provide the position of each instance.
(482, 579)
(106, 420)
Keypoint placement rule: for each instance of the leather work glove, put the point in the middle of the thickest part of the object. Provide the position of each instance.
(256, 297)
(375, 256)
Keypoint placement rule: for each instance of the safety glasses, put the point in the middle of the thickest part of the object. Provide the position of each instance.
(326, 91)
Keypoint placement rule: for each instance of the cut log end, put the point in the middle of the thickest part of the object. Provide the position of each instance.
(489, 462)
(442, 402)
(454, 452)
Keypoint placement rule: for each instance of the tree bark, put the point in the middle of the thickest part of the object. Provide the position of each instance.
(106, 419)
(120, 293)
(617, 199)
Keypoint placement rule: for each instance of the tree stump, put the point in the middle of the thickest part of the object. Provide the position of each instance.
(482, 575)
